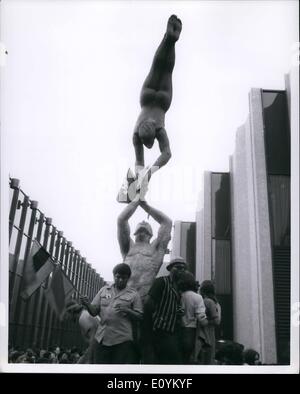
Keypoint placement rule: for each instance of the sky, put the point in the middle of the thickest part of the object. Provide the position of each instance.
(70, 98)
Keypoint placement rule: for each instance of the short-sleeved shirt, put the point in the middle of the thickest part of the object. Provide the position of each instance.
(114, 327)
(213, 313)
(193, 306)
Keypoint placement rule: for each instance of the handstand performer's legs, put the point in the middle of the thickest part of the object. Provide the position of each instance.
(159, 78)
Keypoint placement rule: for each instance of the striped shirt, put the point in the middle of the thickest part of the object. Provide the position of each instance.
(167, 302)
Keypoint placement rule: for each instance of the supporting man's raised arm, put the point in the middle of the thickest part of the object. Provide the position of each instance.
(123, 225)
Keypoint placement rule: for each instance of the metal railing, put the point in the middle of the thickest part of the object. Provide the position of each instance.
(32, 323)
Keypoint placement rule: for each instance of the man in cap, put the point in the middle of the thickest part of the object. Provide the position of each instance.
(162, 314)
(144, 257)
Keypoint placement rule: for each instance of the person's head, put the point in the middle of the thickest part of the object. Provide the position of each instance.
(74, 349)
(64, 359)
(75, 357)
(207, 289)
(47, 355)
(29, 352)
(147, 132)
(143, 232)
(176, 267)
(230, 353)
(251, 357)
(187, 282)
(122, 273)
(13, 357)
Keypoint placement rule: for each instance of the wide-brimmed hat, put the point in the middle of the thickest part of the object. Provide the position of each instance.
(176, 260)
(145, 226)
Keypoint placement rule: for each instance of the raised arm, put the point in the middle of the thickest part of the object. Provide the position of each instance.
(139, 153)
(164, 231)
(165, 150)
(123, 225)
(92, 308)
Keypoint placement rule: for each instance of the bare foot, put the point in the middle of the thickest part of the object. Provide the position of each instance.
(174, 27)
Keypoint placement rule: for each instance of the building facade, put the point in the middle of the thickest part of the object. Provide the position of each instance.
(184, 243)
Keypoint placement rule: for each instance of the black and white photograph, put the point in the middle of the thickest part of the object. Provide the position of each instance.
(149, 187)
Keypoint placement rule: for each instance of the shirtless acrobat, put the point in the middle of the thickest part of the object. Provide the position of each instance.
(155, 100)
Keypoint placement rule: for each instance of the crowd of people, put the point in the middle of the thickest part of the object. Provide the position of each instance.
(230, 354)
(174, 324)
(53, 355)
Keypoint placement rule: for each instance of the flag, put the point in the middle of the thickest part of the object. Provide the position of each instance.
(38, 267)
(59, 291)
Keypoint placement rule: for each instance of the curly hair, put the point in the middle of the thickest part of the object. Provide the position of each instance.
(207, 289)
(122, 269)
(188, 282)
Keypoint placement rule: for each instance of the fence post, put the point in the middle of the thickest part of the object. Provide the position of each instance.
(83, 286)
(24, 205)
(52, 241)
(39, 327)
(76, 278)
(14, 278)
(67, 326)
(35, 298)
(63, 254)
(15, 185)
(61, 259)
(53, 330)
(98, 282)
(69, 261)
(73, 326)
(76, 262)
(71, 253)
(93, 282)
(44, 303)
(85, 280)
(40, 226)
(88, 280)
(49, 310)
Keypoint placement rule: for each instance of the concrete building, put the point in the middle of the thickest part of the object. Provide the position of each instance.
(184, 243)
